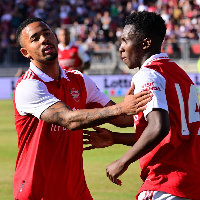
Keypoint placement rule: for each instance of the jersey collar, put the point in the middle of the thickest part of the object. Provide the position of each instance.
(155, 58)
(44, 76)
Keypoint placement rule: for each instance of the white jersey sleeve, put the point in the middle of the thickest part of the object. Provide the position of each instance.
(93, 92)
(82, 54)
(33, 97)
(152, 80)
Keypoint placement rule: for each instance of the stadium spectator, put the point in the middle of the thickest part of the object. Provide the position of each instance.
(167, 137)
(59, 13)
(106, 21)
(142, 7)
(50, 105)
(41, 11)
(71, 56)
(65, 10)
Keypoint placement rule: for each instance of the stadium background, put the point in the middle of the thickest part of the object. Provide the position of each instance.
(97, 26)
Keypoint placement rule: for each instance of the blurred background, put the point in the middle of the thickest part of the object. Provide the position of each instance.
(97, 26)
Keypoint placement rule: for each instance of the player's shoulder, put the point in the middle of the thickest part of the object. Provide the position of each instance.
(148, 76)
(147, 72)
(73, 74)
(29, 85)
(28, 75)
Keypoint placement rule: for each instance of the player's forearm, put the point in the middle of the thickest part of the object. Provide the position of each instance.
(90, 117)
(128, 139)
(60, 114)
(122, 121)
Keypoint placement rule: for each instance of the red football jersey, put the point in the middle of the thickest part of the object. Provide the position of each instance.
(49, 163)
(71, 56)
(173, 165)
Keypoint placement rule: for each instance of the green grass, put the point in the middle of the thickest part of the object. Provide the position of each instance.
(100, 187)
(8, 149)
(95, 162)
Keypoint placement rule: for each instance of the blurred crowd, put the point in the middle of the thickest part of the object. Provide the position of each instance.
(99, 23)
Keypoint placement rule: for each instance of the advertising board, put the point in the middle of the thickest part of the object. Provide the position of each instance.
(111, 85)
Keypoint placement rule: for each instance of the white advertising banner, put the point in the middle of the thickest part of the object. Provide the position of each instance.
(111, 85)
(7, 86)
(118, 85)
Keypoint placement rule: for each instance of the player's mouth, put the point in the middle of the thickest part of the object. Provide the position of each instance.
(124, 59)
(48, 49)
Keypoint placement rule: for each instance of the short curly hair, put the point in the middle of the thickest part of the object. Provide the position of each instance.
(24, 24)
(147, 24)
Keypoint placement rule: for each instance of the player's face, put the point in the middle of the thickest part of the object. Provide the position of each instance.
(131, 48)
(64, 36)
(39, 42)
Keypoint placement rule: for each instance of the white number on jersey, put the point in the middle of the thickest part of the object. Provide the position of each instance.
(193, 105)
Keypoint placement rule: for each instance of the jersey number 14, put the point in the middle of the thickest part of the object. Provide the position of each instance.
(193, 105)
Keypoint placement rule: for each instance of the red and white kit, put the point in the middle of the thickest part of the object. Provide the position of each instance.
(72, 56)
(172, 166)
(49, 162)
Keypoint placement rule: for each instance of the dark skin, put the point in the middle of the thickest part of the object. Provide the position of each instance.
(40, 45)
(64, 38)
(134, 52)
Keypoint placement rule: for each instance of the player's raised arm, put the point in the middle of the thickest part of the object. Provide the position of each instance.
(59, 113)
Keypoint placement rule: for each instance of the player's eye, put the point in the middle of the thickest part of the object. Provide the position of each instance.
(34, 39)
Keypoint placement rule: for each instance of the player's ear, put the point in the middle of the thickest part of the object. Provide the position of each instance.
(25, 53)
(146, 43)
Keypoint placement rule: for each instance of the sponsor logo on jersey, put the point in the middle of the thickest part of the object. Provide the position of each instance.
(75, 94)
(150, 86)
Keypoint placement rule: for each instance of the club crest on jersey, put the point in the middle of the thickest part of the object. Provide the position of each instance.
(75, 94)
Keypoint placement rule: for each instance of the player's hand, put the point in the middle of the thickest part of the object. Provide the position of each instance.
(135, 103)
(100, 138)
(114, 170)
